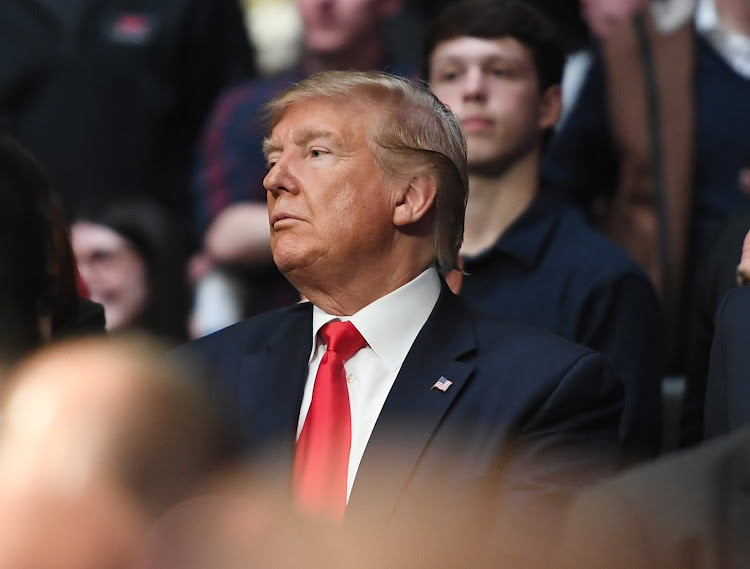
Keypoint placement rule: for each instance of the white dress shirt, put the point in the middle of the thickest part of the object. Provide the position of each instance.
(389, 325)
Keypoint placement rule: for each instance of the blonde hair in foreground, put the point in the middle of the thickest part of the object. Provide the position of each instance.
(412, 131)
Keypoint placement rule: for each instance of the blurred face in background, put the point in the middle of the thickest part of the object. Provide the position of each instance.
(113, 271)
(492, 87)
(338, 26)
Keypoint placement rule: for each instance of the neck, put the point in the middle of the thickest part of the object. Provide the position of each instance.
(366, 58)
(735, 15)
(496, 201)
(343, 294)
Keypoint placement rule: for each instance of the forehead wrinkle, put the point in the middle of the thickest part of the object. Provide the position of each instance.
(304, 134)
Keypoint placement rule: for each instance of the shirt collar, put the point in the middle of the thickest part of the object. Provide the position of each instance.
(734, 48)
(391, 324)
(526, 238)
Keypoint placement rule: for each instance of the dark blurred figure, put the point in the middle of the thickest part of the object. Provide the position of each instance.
(720, 272)
(689, 510)
(654, 143)
(111, 95)
(98, 437)
(133, 258)
(528, 256)
(71, 311)
(233, 217)
(26, 279)
(727, 405)
(39, 296)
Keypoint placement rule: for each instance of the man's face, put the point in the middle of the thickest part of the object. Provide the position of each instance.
(335, 26)
(492, 87)
(329, 204)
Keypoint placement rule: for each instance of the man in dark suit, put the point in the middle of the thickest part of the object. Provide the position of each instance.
(690, 509)
(728, 385)
(367, 187)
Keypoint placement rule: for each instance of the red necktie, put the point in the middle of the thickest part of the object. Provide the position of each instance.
(321, 459)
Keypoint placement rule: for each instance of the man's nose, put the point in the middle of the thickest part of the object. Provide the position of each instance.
(474, 85)
(280, 178)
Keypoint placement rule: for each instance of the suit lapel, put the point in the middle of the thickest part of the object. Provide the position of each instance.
(272, 382)
(414, 409)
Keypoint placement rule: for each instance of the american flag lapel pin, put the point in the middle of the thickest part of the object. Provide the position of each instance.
(442, 384)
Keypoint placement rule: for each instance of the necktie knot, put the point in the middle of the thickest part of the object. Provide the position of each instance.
(343, 338)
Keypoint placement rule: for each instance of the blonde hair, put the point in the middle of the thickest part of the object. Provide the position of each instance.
(413, 130)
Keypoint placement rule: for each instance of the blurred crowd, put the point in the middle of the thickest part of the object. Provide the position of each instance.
(575, 199)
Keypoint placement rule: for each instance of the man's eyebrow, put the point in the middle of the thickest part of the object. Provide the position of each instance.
(301, 137)
(483, 59)
(270, 146)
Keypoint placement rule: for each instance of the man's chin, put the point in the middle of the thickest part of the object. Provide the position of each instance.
(287, 262)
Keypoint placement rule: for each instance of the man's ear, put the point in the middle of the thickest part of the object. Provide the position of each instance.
(550, 107)
(415, 200)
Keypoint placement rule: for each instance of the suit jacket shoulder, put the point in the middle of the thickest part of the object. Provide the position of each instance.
(250, 335)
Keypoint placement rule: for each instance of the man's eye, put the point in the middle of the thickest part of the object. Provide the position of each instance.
(448, 76)
(316, 153)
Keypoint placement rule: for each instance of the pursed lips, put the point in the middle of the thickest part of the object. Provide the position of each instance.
(281, 216)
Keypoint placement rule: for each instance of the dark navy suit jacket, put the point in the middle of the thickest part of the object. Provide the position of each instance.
(728, 387)
(529, 418)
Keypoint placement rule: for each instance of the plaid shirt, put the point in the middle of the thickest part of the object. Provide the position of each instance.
(230, 166)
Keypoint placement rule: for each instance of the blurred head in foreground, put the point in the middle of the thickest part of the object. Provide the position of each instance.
(97, 438)
(245, 518)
